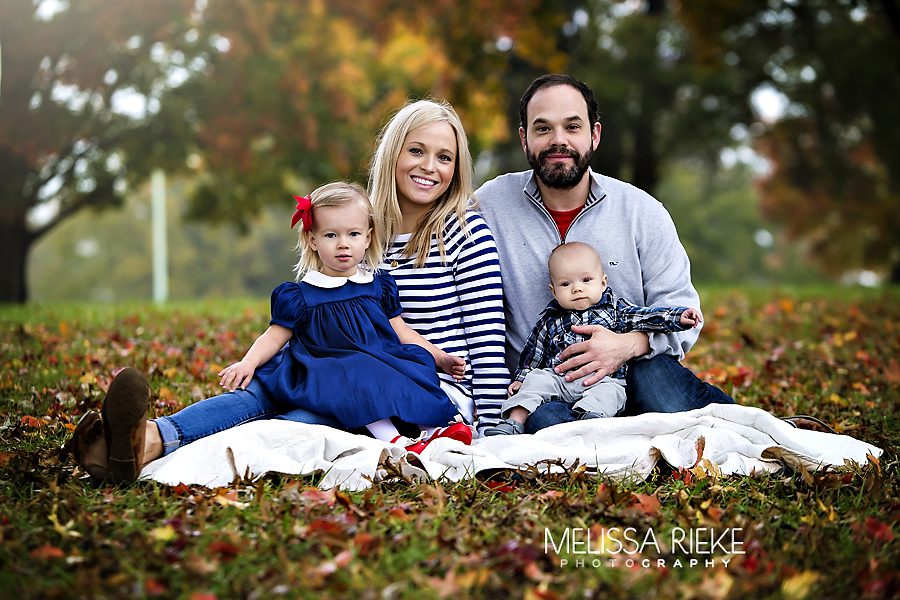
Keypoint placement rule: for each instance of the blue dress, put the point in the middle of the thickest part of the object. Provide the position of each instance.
(344, 358)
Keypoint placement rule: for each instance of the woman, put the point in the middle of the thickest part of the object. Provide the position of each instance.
(444, 260)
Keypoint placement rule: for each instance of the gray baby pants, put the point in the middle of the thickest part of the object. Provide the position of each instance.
(606, 397)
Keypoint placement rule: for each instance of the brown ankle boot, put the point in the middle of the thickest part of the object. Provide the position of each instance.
(124, 417)
(88, 445)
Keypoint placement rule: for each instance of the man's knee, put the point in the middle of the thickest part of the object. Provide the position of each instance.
(662, 384)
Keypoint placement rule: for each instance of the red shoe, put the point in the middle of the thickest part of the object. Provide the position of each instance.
(458, 431)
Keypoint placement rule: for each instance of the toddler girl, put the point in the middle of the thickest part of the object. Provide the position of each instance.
(336, 344)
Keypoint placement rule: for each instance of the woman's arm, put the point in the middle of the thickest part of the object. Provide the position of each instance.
(452, 365)
(239, 374)
(476, 274)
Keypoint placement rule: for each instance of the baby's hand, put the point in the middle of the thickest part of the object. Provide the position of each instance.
(692, 317)
(514, 387)
(236, 376)
(452, 365)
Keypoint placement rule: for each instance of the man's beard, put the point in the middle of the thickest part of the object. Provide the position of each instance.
(558, 176)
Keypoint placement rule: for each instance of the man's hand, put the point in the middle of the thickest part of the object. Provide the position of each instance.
(513, 388)
(602, 354)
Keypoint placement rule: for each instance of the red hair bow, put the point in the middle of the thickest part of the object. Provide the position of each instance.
(303, 212)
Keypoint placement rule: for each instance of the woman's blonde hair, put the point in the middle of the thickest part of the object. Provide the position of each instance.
(339, 193)
(383, 184)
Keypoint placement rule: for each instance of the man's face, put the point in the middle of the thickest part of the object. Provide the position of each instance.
(558, 139)
(577, 279)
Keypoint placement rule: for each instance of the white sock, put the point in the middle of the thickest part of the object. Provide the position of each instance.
(384, 430)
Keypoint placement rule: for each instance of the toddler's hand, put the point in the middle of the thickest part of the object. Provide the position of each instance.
(692, 317)
(514, 387)
(236, 376)
(452, 365)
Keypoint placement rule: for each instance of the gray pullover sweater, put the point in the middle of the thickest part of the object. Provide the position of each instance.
(631, 230)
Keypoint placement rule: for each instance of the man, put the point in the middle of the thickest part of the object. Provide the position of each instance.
(562, 200)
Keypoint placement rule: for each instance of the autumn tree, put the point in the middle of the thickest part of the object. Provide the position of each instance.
(255, 98)
(66, 129)
(302, 88)
(834, 152)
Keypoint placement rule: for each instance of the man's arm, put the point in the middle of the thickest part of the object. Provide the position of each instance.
(665, 281)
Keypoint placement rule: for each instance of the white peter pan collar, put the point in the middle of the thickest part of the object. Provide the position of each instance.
(321, 280)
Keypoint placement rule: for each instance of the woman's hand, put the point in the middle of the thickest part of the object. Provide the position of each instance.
(513, 388)
(236, 376)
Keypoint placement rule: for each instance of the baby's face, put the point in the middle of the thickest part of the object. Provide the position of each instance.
(577, 279)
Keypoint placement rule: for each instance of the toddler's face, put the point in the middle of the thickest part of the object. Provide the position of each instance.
(577, 279)
(340, 236)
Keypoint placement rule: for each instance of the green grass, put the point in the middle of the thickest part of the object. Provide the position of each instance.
(829, 353)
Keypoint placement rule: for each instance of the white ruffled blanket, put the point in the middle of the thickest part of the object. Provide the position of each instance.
(735, 440)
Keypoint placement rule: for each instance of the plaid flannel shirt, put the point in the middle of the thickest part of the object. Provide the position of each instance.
(553, 332)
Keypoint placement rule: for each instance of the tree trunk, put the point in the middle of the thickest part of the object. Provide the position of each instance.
(15, 242)
(894, 276)
(646, 163)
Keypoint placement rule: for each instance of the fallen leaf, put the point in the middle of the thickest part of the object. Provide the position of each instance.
(29, 421)
(225, 549)
(47, 552)
(878, 531)
(163, 534)
(646, 504)
(154, 587)
(799, 586)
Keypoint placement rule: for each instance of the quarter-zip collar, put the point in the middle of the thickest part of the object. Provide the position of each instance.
(596, 194)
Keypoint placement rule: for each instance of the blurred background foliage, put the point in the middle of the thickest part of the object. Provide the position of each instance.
(768, 129)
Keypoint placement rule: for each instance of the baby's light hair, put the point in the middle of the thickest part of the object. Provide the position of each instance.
(339, 193)
(574, 247)
(383, 179)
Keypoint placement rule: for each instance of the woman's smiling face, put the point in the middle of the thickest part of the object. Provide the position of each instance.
(425, 167)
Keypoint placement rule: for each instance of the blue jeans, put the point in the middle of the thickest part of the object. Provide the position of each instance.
(658, 384)
(229, 410)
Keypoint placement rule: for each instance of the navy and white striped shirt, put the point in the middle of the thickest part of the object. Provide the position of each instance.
(458, 306)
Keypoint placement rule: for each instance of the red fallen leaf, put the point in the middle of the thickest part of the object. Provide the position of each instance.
(154, 587)
(739, 376)
(47, 552)
(325, 526)
(5, 458)
(398, 512)
(715, 513)
(180, 489)
(646, 504)
(203, 596)
(29, 421)
(317, 496)
(365, 543)
(500, 486)
(879, 531)
(892, 372)
(683, 475)
(224, 549)
(699, 446)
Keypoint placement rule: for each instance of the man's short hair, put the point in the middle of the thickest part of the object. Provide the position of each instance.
(550, 80)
